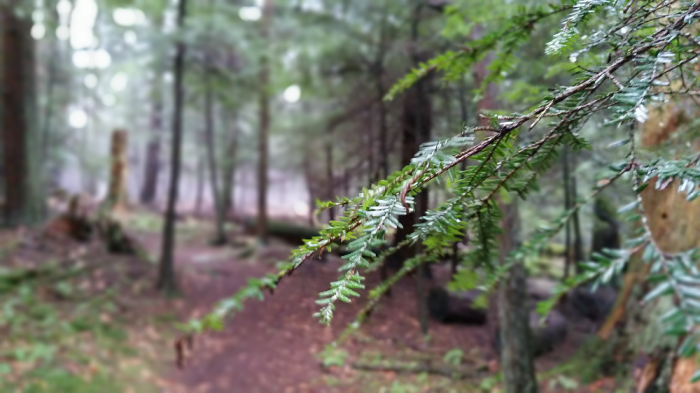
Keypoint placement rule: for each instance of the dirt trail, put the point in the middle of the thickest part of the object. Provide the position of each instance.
(272, 346)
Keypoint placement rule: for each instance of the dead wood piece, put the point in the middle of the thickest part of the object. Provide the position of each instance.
(419, 367)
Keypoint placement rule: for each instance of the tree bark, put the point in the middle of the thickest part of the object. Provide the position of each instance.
(229, 180)
(264, 122)
(21, 143)
(330, 190)
(381, 92)
(508, 310)
(575, 222)
(513, 314)
(220, 234)
(149, 188)
(166, 279)
(199, 186)
(117, 192)
(567, 205)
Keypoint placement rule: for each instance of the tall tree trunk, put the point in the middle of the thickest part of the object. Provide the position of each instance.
(21, 142)
(310, 187)
(220, 235)
(330, 189)
(567, 205)
(369, 148)
(166, 279)
(575, 222)
(149, 188)
(116, 198)
(200, 174)
(508, 309)
(229, 176)
(264, 121)
(513, 314)
(381, 92)
(464, 116)
(417, 122)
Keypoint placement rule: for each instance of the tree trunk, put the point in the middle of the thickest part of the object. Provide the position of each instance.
(675, 228)
(166, 279)
(330, 190)
(21, 143)
(567, 205)
(264, 121)
(508, 310)
(149, 188)
(199, 186)
(381, 106)
(309, 178)
(116, 198)
(575, 222)
(220, 235)
(229, 180)
(513, 314)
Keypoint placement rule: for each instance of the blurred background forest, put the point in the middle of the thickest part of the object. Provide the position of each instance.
(158, 154)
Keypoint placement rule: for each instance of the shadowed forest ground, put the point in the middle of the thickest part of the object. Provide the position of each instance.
(271, 346)
(274, 346)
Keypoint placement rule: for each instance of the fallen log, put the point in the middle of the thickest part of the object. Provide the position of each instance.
(289, 232)
(417, 367)
(455, 307)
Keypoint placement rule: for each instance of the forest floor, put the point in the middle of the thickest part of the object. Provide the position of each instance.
(275, 345)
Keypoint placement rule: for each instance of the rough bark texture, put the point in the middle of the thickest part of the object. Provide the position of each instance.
(566, 174)
(229, 180)
(116, 199)
(264, 123)
(575, 222)
(513, 314)
(674, 226)
(220, 234)
(21, 143)
(330, 189)
(149, 188)
(166, 278)
(200, 175)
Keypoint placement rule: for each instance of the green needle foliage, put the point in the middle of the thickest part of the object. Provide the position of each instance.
(635, 53)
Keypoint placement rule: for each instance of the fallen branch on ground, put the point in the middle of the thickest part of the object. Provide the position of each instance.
(421, 367)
